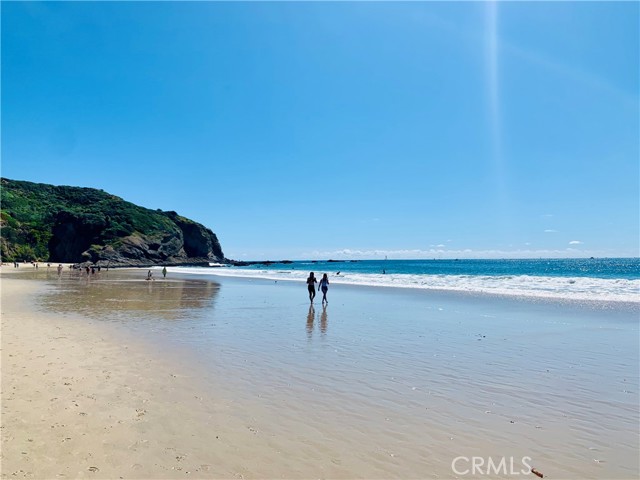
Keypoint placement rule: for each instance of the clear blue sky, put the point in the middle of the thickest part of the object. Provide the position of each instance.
(300, 130)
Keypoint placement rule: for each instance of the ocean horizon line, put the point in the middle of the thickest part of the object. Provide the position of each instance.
(367, 259)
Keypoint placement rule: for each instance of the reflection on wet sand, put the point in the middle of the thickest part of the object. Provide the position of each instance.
(118, 293)
(311, 317)
(323, 320)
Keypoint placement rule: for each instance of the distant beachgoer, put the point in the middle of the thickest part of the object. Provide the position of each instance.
(93, 269)
(337, 273)
(149, 275)
(59, 269)
(384, 272)
(87, 269)
(324, 285)
(311, 281)
(164, 272)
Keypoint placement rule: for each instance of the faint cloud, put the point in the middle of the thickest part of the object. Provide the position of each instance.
(575, 242)
(571, 73)
(549, 63)
(442, 253)
(549, 230)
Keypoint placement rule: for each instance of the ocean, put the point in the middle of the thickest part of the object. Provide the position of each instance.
(596, 279)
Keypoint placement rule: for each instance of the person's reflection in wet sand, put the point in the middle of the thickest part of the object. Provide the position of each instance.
(323, 320)
(311, 316)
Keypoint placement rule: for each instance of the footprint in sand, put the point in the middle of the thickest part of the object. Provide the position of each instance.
(140, 443)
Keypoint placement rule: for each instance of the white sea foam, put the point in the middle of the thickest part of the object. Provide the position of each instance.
(566, 288)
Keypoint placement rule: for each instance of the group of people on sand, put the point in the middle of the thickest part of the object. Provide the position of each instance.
(323, 285)
(34, 264)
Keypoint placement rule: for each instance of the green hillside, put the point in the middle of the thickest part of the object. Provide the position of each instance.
(62, 223)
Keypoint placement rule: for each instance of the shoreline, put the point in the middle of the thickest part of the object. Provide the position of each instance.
(238, 377)
(531, 297)
(598, 292)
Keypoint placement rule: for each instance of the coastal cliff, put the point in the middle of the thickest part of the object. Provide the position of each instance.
(72, 224)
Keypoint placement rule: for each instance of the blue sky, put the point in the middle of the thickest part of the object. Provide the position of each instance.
(333, 130)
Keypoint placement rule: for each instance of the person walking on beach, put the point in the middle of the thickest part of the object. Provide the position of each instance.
(59, 269)
(164, 272)
(311, 281)
(324, 285)
(149, 275)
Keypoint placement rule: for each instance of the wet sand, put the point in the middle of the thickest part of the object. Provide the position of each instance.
(111, 376)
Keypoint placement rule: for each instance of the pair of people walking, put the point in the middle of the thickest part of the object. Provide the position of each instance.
(311, 287)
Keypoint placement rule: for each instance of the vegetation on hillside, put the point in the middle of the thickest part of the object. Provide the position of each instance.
(29, 212)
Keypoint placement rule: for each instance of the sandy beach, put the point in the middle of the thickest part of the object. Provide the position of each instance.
(82, 400)
(111, 376)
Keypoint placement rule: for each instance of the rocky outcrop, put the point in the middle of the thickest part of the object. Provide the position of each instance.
(187, 243)
(199, 241)
(188, 247)
(73, 234)
(72, 224)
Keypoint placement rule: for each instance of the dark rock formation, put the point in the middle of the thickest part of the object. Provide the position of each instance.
(195, 245)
